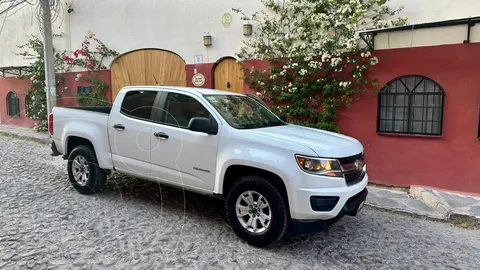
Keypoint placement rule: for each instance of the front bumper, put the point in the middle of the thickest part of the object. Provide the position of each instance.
(351, 208)
(304, 188)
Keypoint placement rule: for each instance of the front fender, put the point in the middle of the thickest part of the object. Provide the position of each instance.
(274, 162)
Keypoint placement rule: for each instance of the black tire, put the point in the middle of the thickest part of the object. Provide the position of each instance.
(279, 213)
(97, 176)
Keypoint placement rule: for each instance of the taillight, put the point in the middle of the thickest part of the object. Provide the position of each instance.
(50, 124)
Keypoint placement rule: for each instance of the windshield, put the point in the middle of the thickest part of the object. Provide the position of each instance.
(243, 112)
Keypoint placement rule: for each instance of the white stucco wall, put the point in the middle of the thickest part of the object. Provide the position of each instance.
(422, 11)
(179, 26)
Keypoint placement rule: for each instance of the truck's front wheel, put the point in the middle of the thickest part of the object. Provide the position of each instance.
(83, 171)
(257, 211)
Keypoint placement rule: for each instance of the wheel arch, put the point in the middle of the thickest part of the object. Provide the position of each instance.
(235, 172)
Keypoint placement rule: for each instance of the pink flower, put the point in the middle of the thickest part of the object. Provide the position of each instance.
(67, 59)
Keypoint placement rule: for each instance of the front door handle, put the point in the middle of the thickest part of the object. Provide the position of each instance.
(160, 135)
(119, 127)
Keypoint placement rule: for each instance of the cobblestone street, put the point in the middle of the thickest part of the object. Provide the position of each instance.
(45, 224)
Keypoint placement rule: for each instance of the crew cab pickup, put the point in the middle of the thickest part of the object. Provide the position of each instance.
(275, 177)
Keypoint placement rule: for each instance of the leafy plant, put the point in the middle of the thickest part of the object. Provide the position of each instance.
(36, 97)
(316, 61)
(92, 61)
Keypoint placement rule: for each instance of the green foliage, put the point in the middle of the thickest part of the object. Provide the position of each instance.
(97, 97)
(92, 60)
(35, 72)
(316, 61)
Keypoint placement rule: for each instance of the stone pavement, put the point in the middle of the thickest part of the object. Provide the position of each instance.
(417, 201)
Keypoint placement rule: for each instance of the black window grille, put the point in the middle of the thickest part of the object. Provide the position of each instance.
(84, 89)
(13, 104)
(411, 105)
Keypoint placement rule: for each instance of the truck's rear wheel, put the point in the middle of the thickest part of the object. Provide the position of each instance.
(83, 171)
(257, 211)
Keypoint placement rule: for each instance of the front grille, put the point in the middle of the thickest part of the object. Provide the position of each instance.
(354, 177)
(351, 159)
(352, 173)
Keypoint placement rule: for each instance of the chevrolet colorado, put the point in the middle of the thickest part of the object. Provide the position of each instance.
(275, 177)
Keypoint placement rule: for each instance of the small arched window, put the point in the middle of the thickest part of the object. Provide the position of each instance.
(411, 105)
(13, 104)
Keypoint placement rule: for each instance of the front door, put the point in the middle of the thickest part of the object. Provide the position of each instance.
(180, 156)
(129, 132)
(228, 75)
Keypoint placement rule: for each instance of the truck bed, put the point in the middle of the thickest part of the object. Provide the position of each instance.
(100, 109)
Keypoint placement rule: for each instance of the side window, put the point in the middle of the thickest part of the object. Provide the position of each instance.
(179, 109)
(138, 104)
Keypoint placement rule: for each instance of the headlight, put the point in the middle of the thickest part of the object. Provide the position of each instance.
(321, 166)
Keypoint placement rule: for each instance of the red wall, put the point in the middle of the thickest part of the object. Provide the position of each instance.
(67, 98)
(450, 162)
(21, 88)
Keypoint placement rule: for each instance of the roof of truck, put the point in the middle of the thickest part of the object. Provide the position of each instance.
(196, 90)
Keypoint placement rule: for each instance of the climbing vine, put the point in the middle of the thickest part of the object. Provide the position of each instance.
(36, 107)
(316, 60)
(92, 61)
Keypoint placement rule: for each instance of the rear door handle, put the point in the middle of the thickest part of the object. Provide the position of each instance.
(119, 127)
(160, 135)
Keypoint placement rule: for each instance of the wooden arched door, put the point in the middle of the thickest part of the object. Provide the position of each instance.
(147, 67)
(228, 76)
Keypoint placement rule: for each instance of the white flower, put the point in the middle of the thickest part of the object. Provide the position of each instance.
(373, 60)
(367, 54)
(273, 77)
(325, 56)
(336, 61)
(295, 65)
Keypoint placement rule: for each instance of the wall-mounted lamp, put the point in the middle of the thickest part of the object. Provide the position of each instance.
(247, 29)
(207, 40)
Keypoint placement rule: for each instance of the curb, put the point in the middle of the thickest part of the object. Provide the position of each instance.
(23, 137)
(405, 213)
(431, 200)
(441, 206)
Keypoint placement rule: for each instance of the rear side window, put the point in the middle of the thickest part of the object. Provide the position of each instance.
(139, 104)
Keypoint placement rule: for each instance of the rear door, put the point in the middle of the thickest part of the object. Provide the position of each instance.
(129, 132)
(180, 156)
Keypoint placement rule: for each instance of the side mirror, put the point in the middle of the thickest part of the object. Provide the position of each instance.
(283, 117)
(203, 124)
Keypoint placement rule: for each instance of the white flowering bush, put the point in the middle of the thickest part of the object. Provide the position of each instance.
(316, 58)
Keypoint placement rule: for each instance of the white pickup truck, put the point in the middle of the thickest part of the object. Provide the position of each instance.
(275, 177)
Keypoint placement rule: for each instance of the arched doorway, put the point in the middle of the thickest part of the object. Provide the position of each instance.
(228, 75)
(147, 67)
